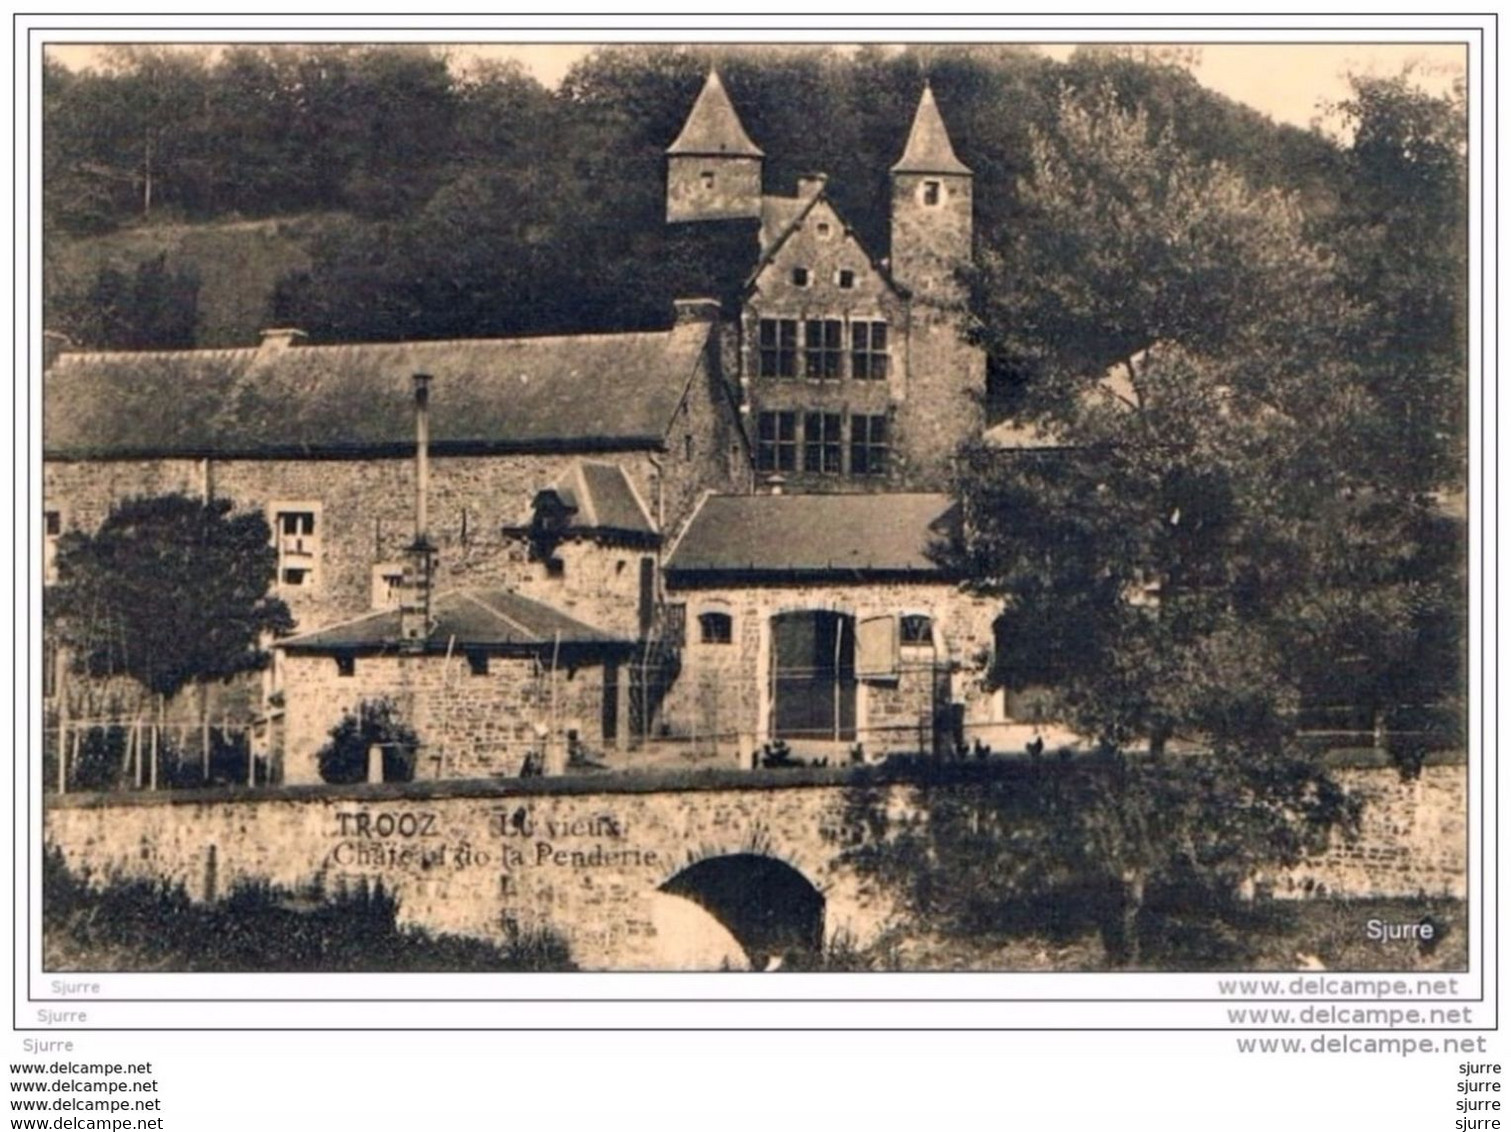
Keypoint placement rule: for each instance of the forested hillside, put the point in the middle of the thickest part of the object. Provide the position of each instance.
(481, 203)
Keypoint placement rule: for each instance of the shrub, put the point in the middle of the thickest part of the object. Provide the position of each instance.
(344, 759)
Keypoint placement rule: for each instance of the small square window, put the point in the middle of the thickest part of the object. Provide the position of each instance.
(387, 585)
(477, 663)
(346, 664)
(825, 230)
(800, 277)
(716, 628)
(297, 531)
(846, 279)
(931, 193)
(916, 630)
(706, 179)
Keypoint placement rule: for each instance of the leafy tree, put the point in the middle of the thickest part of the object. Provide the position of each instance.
(152, 307)
(1401, 236)
(168, 591)
(376, 722)
(1215, 537)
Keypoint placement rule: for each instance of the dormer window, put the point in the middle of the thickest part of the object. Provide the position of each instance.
(931, 193)
(800, 277)
(845, 278)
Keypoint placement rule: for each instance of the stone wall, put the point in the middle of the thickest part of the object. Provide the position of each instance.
(365, 511)
(1413, 839)
(888, 712)
(585, 861)
(588, 857)
(470, 725)
(735, 192)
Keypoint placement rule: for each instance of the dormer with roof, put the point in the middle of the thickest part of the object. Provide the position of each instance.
(713, 169)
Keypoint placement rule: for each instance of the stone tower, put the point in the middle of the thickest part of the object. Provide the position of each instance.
(931, 242)
(931, 209)
(713, 169)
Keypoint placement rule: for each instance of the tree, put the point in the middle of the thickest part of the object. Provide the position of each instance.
(1214, 532)
(154, 308)
(376, 723)
(168, 591)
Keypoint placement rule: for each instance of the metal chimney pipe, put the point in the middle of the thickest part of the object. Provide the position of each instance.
(414, 607)
(421, 459)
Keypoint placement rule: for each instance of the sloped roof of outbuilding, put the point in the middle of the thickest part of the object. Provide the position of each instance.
(712, 127)
(576, 392)
(488, 620)
(845, 535)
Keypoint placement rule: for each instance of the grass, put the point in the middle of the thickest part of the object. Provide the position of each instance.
(1274, 936)
(145, 926)
(238, 264)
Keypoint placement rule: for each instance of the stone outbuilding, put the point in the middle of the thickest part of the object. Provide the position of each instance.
(827, 623)
(497, 680)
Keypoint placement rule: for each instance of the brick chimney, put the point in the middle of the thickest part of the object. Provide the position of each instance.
(809, 185)
(419, 570)
(277, 339)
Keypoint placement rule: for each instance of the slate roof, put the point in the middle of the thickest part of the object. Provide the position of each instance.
(581, 392)
(602, 499)
(779, 216)
(788, 535)
(490, 620)
(713, 128)
(929, 149)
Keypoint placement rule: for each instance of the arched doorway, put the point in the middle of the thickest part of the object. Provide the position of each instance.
(813, 676)
(769, 907)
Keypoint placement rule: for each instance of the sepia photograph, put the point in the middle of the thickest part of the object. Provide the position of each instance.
(802, 508)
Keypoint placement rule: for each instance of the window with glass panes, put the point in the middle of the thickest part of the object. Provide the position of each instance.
(868, 445)
(776, 442)
(778, 347)
(822, 444)
(823, 348)
(868, 350)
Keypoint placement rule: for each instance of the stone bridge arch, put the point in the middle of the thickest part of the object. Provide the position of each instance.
(769, 908)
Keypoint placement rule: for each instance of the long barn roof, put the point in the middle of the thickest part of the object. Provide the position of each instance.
(582, 392)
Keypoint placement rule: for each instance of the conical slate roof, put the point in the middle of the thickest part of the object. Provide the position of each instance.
(713, 128)
(929, 149)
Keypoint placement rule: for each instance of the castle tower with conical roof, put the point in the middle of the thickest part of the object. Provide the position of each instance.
(713, 169)
(931, 208)
(931, 243)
